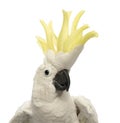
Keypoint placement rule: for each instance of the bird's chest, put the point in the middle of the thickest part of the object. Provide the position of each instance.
(56, 112)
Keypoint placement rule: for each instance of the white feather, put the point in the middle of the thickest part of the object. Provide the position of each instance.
(49, 106)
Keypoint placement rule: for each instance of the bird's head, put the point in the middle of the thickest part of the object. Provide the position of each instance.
(60, 53)
(49, 82)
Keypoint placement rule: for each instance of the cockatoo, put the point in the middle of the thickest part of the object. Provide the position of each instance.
(51, 101)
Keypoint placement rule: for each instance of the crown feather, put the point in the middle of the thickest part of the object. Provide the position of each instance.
(76, 20)
(63, 50)
(65, 42)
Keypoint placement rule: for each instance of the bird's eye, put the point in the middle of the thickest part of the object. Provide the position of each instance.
(46, 72)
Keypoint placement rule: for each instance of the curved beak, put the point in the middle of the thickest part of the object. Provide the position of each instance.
(61, 80)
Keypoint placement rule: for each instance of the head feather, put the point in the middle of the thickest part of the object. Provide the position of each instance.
(65, 41)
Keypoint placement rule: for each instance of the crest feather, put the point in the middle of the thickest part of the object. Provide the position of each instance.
(65, 42)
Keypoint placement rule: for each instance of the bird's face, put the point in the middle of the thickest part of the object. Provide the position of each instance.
(48, 81)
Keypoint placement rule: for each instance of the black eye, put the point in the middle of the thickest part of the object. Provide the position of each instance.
(47, 72)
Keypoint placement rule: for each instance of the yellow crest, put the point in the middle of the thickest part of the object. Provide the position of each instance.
(65, 42)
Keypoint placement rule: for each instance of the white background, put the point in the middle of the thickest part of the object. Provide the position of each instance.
(96, 73)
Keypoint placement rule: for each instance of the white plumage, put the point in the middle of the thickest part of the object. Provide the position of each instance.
(49, 106)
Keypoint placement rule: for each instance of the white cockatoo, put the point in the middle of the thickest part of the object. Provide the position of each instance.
(51, 101)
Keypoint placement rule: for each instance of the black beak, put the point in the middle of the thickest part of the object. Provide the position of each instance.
(61, 80)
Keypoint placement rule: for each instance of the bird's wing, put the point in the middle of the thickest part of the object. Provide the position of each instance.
(23, 114)
(85, 110)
